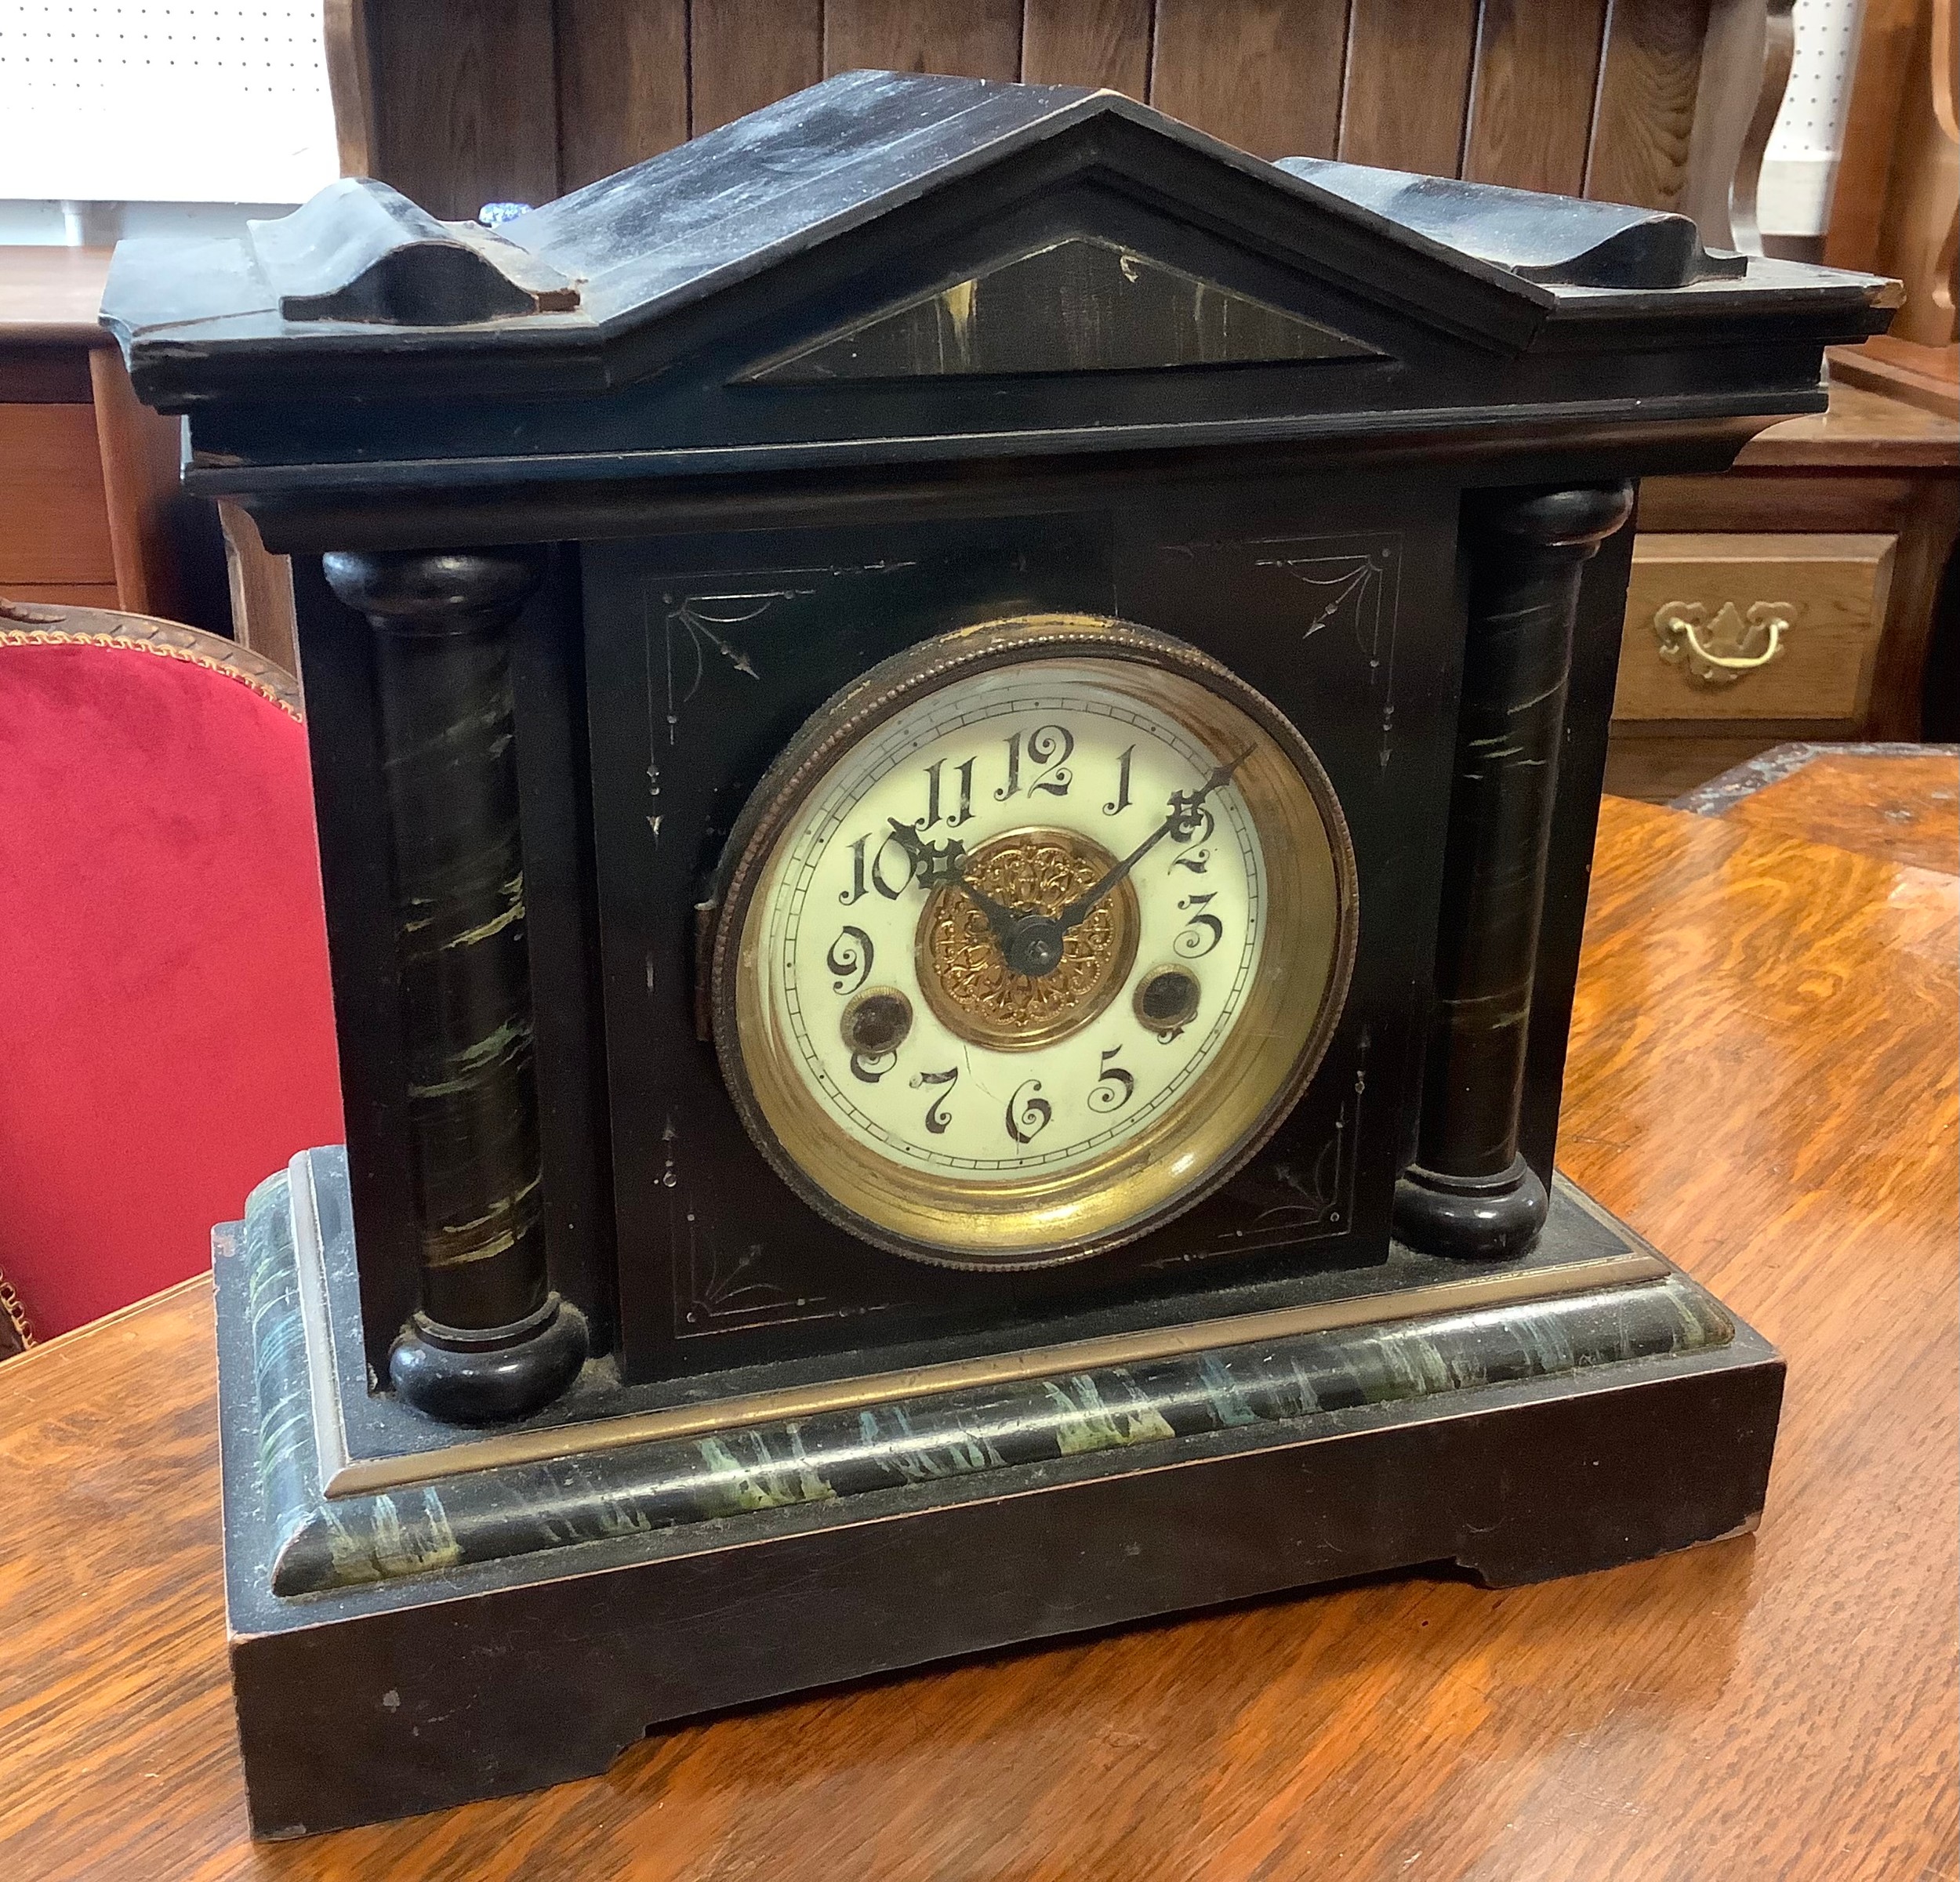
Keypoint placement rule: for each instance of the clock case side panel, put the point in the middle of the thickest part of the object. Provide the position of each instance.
(351, 812)
(706, 654)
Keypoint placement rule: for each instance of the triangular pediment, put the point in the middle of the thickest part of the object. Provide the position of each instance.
(1081, 304)
(897, 268)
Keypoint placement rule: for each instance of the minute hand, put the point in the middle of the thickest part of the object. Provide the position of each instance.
(1183, 809)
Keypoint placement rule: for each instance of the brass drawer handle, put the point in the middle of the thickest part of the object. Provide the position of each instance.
(1735, 643)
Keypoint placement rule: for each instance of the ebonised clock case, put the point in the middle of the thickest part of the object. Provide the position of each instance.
(764, 366)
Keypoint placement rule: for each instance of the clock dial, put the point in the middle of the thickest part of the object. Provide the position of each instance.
(1030, 938)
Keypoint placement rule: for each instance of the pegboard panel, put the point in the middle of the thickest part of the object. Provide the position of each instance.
(1801, 163)
(1818, 96)
(151, 101)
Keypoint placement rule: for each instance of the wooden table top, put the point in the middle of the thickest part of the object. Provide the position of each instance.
(49, 295)
(1863, 430)
(1762, 1081)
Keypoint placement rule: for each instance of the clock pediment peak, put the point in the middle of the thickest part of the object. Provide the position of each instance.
(1072, 303)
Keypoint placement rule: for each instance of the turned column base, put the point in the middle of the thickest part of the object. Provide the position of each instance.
(488, 1375)
(1471, 1218)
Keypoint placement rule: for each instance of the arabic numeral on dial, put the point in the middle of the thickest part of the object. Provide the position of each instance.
(1051, 747)
(868, 1068)
(1115, 1088)
(1028, 1115)
(1120, 802)
(850, 960)
(868, 871)
(1197, 862)
(938, 1117)
(962, 772)
(1011, 788)
(1200, 935)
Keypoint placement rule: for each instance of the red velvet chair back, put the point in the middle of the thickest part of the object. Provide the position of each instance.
(166, 1036)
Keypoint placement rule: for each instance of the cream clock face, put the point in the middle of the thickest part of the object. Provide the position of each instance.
(1034, 934)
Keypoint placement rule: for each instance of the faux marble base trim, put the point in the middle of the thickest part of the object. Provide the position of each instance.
(1296, 1383)
(369, 1443)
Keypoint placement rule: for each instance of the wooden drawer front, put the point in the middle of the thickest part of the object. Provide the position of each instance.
(1821, 598)
(54, 519)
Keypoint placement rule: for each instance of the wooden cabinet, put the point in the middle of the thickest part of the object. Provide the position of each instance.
(54, 516)
(1838, 526)
(88, 476)
(1742, 627)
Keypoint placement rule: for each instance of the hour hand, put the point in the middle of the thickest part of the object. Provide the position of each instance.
(936, 865)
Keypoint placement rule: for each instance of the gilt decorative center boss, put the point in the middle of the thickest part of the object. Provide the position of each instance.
(956, 735)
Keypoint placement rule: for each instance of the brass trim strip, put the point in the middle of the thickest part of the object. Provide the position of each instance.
(360, 1477)
(316, 1324)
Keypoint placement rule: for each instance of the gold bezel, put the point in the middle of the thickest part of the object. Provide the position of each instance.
(1231, 1108)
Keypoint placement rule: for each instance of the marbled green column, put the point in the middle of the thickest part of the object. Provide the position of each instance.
(490, 1339)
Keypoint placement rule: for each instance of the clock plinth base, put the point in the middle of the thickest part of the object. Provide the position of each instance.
(448, 1616)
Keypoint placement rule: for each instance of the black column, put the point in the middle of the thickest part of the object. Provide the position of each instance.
(490, 1340)
(1468, 1191)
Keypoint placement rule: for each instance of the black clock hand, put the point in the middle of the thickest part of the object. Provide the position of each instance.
(1182, 819)
(944, 865)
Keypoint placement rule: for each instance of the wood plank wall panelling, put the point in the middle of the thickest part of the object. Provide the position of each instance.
(1531, 91)
(1263, 74)
(466, 101)
(472, 101)
(1385, 119)
(1103, 42)
(1648, 86)
(748, 53)
(971, 38)
(623, 86)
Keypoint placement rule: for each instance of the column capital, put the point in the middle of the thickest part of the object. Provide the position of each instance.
(1578, 516)
(434, 591)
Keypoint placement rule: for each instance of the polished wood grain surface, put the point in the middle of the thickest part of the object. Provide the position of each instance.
(1762, 1080)
(1864, 431)
(1263, 74)
(978, 39)
(88, 474)
(1387, 120)
(1105, 42)
(54, 515)
(1901, 807)
(1872, 465)
(467, 111)
(49, 296)
(743, 54)
(1644, 119)
(622, 83)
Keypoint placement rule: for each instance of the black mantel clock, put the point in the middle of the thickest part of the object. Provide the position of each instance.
(956, 735)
